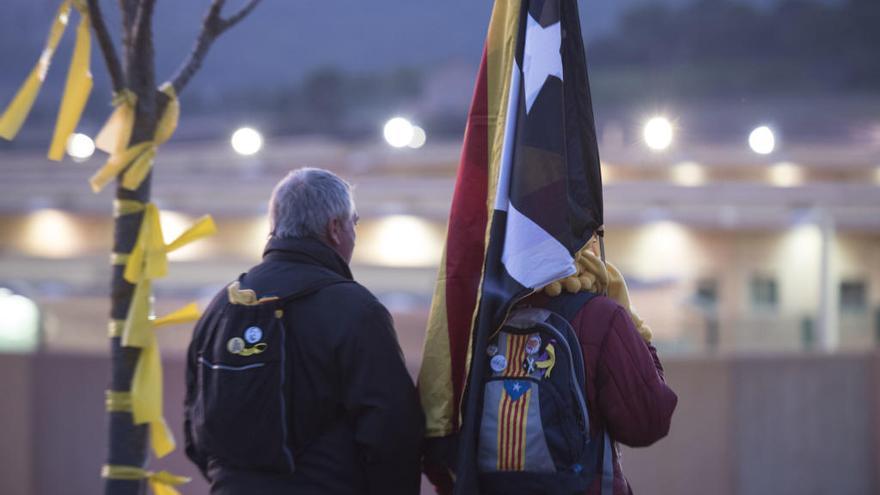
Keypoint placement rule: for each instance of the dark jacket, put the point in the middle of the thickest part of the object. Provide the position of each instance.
(355, 422)
(625, 383)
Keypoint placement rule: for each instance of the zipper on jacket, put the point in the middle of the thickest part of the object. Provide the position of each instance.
(227, 367)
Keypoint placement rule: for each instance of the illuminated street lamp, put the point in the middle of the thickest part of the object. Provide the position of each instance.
(418, 139)
(80, 147)
(246, 141)
(658, 133)
(398, 132)
(762, 140)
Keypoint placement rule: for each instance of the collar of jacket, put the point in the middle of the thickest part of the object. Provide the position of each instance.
(308, 251)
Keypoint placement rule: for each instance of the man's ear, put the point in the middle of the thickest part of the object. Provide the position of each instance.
(334, 231)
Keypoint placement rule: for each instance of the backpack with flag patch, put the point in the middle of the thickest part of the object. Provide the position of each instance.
(534, 432)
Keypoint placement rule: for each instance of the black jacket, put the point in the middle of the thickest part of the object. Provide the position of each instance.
(354, 419)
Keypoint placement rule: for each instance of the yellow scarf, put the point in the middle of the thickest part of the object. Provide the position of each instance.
(595, 276)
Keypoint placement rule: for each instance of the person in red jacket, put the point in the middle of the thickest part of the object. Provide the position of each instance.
(625, 386)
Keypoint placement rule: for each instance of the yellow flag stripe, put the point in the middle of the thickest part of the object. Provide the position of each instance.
(435, 375)
(500, 56)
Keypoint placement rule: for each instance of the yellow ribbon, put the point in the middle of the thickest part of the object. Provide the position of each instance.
(250, 351)
(78, 87)
(20, 106)
(147, 261)
(114, 136)
(549, 363)
(149, 258)
(162, 482)
(115, 401)
(136, 161)
(122, 207)
(146, 384)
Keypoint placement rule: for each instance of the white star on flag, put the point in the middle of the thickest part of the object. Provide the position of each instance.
(516, 387)
(541, 57)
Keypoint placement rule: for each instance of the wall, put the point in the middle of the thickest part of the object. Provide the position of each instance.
(804, 424)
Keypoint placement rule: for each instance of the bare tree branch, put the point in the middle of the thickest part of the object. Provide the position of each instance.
(212, 27)
(142, 67)
(127, 8)
(241, 14)
(110, 58)
(143, 20)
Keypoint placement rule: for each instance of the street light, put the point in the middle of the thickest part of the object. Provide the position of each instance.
(418, 139)
(246, 141)
(398, 132)
(658, 133)
(80, 147)
(762, 140)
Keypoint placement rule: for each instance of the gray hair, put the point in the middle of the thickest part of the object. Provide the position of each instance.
(305, 201)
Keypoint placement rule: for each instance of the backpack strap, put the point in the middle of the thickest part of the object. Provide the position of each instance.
(567, 305)
(248, 297)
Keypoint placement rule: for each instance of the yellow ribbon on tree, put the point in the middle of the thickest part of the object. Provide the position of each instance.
(114, 136)
(161, 483)
(149, 258)
(147, 261)
(78, 87)
(146, 384)
(137, 160)
(20, 106)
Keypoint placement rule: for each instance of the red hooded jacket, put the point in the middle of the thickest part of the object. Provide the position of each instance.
(626, 391)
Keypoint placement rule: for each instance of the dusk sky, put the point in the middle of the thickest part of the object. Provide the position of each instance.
(286, 39)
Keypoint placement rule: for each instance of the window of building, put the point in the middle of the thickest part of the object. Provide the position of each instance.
(853, 296)
(764, 292)
(706, 292)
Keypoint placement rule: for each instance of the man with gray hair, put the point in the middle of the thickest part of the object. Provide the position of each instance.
(295, 379)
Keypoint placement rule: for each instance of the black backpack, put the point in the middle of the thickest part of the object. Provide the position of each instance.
(240, 409)
(534, 434)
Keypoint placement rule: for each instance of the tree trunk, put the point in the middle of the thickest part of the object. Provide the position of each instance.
(129, 443)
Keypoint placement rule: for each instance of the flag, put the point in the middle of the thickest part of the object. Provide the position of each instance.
(528, 196)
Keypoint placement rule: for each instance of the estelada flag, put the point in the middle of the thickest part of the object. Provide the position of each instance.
(528, 197)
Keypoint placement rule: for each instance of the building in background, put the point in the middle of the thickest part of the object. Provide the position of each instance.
(724, 249)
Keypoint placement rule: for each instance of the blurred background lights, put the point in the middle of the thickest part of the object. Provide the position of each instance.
(399, 132)
(80, 147)
(658, 133)
(246, 141)
(400, 241)
(50, 233)
(689, 174)
(785, 174)
(663, 240)
(762, 140)
(20, 324)
(418, 138)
